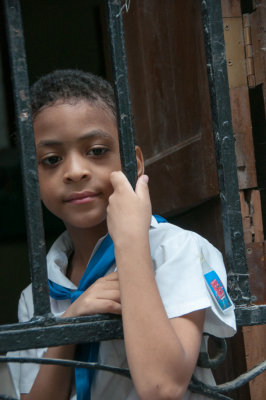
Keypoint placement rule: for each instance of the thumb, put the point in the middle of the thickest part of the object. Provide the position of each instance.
(142, 189)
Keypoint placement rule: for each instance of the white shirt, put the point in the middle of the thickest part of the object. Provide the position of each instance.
(177, 257)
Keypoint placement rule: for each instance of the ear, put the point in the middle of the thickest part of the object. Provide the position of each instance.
(140, 161)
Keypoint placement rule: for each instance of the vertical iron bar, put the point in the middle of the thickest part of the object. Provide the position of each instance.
(35, 231)
(238, 280)
(120, 77)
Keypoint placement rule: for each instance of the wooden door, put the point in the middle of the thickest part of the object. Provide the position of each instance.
(169, 91)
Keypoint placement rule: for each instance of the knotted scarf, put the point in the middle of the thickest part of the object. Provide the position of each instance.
(100, 263)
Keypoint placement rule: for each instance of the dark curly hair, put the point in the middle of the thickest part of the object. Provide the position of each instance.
(71, 85)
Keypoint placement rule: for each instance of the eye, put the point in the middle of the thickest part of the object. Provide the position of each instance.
(51, 161)
(98, 151)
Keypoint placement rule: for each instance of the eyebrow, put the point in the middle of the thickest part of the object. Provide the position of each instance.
(91, 135)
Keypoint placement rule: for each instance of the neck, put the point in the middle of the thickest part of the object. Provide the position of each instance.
(84, 241)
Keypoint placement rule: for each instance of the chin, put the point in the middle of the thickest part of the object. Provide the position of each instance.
(86, 223)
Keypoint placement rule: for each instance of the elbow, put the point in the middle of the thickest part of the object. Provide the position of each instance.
(163, 391)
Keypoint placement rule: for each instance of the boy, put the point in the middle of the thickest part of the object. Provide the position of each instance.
(157, 280)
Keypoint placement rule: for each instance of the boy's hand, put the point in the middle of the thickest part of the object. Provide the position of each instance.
(129, 211)
(101, 297)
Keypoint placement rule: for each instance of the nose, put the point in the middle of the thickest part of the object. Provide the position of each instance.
(76, 169)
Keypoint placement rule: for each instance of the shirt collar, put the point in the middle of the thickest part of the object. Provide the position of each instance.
(154, 223)
(57, 259)
(59, 253)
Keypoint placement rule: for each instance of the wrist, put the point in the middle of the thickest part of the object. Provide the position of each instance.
(135, 252)
(132, 242)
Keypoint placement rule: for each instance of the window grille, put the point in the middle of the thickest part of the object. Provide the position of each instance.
(45, 329)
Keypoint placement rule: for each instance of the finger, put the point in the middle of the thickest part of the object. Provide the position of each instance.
(109, 279)
(110, 294)
(118, 179)
(113, 276)
(104, 306)
(142, 189)
(101, 285)
(111, 307)
(107, 285)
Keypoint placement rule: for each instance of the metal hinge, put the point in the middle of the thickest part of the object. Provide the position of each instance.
(244, 45)
(235, 53)
(249, 51)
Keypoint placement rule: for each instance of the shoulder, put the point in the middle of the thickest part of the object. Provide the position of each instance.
(57, 259)
(179, 257)
(183, 252)
(171, 238)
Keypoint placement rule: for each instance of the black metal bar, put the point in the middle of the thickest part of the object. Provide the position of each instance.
(238, 282)
(199, 387)
(235, 383)
(205, 361)
(45, 332)
(35, 232)
(120, 77)
(59, 331)
(196, 386)
(253, 315)
(67, 363)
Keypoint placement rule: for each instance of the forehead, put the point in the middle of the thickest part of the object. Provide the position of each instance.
(74, 118)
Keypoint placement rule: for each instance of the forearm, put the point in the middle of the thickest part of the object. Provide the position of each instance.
(154, 351)
(53, 381)
(161, 353)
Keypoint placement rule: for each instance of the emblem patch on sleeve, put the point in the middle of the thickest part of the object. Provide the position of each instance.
(218, 291)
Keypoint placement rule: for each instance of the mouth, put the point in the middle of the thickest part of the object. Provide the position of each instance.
(81, 197)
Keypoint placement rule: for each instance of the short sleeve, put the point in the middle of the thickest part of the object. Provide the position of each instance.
(24, 375)
(177, 260)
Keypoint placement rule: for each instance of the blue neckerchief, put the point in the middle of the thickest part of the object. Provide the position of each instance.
(100, 263)
(98, 266)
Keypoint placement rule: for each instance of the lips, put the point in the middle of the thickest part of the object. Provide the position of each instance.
(81, 197)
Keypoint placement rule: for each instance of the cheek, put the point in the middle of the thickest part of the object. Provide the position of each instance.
(45, 198)
(108, 188)
(46, 188)
(115, 164)
(42, 188)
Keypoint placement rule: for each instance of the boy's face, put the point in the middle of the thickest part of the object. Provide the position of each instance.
(77, 149)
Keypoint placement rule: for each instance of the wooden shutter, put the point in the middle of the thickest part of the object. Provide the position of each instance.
(170, 102)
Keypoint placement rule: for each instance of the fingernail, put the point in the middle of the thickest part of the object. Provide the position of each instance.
(145, 178)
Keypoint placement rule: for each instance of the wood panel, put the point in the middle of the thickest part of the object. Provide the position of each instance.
(256, 269)
(239, 94)
(255, 345)
(231, 8)
(251, 216)
(242, 125)
(170, 101)
(258, 38)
